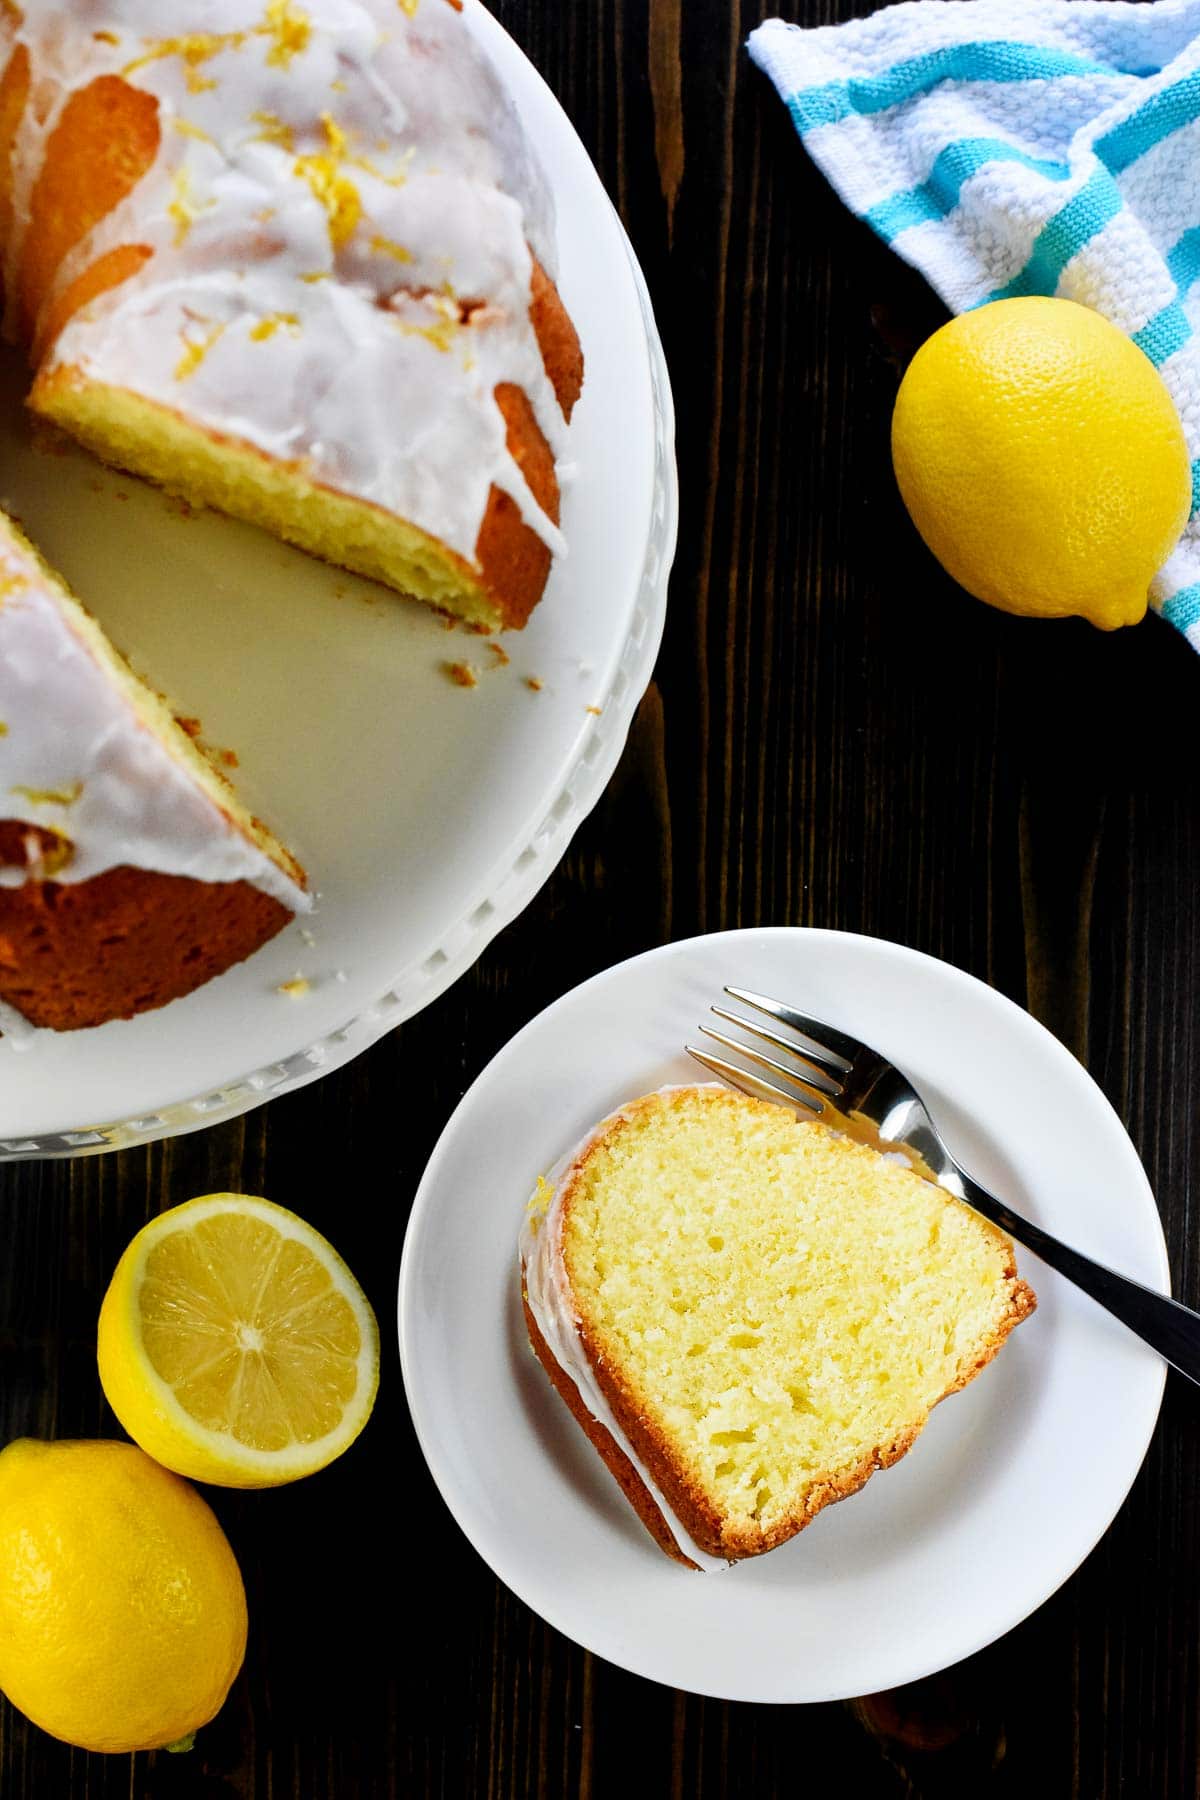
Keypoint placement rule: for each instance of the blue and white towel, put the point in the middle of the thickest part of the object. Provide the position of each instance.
(1026, 147)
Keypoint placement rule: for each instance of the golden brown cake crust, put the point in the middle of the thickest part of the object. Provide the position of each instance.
(75, 954)
(514, 563)
(619, 1465)
(686, 1499)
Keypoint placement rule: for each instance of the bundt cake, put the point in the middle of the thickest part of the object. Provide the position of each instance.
(130, 872)
(294, 259)
(749, 1315)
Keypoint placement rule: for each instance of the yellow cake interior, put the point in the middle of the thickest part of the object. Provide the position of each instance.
(781, 1301)
(134, 433)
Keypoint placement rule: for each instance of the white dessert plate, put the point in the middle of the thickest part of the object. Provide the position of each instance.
(1009, 1486)
(427, 814)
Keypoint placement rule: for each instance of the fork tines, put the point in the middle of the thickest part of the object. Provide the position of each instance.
(835, 1047)
(816, 1071)
(752, 1084)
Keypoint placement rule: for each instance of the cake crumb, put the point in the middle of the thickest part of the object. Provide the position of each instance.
(500, 653)
(229, 758)
(461, 673)
(594, 710)
(309, 937)
(533, 683)
(340, 975)
(297, 987)
(47, 440)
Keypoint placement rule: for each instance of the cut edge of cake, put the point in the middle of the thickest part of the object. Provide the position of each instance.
(209, 468)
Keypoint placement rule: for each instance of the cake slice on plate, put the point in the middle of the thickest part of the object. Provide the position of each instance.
(749, 1315)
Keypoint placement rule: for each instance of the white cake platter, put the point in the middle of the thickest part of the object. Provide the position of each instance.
(427, 814)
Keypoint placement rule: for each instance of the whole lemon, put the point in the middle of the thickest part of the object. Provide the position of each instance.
(122, 1611)
(1042, 460)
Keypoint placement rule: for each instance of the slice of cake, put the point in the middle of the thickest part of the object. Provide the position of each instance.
(749, 1315)
(130, 872)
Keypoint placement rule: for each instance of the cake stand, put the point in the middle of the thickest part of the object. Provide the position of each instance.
(427, 813)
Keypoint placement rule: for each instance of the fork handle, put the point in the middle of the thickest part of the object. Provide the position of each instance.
(1171, 1329)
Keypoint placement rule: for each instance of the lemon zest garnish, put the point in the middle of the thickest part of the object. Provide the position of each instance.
(317, 275)
(438, 335)
(410, 7)
(267, 327)
(102, 37)
(297, 987)
(3, 729)
(441, 335)
(322, 170)
(185, 209)
(274, 131)
(538, 1206)
(543, 1194)
(387, 247)
(397, 180)
(187, 129)
(290, 29)
(195, 49)
(46, 861)
(194, 352)
(50, 796)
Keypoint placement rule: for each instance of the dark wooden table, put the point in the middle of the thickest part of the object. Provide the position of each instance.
(835, 736)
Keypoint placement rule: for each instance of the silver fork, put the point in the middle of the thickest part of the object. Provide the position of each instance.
(832, 1073)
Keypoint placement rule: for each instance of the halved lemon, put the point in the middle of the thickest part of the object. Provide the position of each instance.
(235, 1346)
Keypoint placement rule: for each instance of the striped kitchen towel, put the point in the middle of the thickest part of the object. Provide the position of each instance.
(1026, 147)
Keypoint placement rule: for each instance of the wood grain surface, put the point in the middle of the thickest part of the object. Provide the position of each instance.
(836, 736)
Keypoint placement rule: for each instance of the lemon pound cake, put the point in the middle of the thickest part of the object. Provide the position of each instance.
(130, 872)
(749, 1315)
(295, 259)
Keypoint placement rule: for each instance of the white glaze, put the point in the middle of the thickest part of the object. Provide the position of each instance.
(76, 758)
(548, 1290)
(347, 381)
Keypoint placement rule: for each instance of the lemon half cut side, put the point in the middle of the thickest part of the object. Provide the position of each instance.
(235, 1346)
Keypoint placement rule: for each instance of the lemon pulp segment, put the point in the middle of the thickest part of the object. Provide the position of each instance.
(235, 1345)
